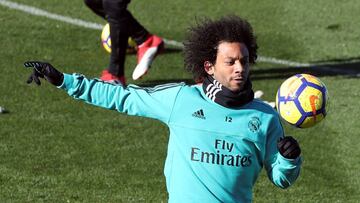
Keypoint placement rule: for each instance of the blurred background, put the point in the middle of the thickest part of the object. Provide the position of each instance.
(56, 149)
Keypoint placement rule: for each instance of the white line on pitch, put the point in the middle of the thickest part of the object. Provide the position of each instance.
(282, 62)
(39, 12)
(78, 22)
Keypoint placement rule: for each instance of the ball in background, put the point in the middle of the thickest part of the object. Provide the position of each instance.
(106, 40)
(302, 100)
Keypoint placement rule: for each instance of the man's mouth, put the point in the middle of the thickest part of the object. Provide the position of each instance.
(239, 79)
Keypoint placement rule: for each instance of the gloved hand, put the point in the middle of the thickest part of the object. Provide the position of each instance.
(289, 147)
(44, 70)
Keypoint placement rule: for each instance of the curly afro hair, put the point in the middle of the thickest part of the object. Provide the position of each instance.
(203, 39)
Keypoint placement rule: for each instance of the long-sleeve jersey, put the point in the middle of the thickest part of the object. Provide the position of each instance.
(214, 154)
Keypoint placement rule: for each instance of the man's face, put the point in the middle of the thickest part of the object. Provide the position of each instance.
(231, 67)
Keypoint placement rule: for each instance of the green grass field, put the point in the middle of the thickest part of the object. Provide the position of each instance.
(56, 149)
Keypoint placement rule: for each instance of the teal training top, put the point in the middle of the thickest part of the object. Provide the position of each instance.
(214, 154)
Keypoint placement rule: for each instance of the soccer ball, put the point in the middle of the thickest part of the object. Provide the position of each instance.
(106, 41)
(302, 100)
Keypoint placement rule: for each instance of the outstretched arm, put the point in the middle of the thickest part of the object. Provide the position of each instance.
(154, 102)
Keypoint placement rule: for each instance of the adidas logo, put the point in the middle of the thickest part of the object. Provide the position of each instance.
(199, 114)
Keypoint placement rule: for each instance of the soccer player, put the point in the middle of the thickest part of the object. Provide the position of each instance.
(220, 136)
(122, 25)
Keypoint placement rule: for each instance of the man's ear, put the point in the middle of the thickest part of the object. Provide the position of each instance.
(209, 68)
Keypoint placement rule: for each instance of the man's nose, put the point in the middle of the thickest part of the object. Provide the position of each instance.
(238, 67)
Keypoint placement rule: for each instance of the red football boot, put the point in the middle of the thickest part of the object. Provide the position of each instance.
(146, 53)
(108, 77)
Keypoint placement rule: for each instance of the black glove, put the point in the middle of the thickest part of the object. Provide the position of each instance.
(44, 70)
(289, 147)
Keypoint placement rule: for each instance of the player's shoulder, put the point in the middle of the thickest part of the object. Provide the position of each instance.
(158, 88)
(263, 106)
(193, 90)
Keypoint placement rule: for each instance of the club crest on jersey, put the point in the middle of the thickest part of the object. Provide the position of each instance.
(254, 124)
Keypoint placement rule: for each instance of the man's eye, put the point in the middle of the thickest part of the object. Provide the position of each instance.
(229, 62)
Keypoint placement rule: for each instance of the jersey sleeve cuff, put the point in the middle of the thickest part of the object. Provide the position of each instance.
(67, 82)
(284, 160)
